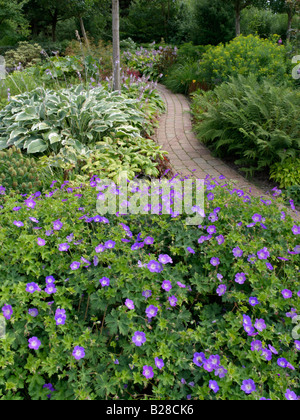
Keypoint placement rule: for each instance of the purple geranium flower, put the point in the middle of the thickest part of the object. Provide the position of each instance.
(104, 281)
(139, 338)
(190, 250)
(148, 372)
(129, 303)
(100, 248)
(34, 343)
(32, 287)
(64, 247)
(220, 239)
(159, 363)
(154, 266)
(296, 230)
(166, 285)
(211, 229)
(110, 244)
(57, 225)
(148, 240)
(287, 294)
(290, 395)
(260, 325)
(221, 290)
(78, 353)
(282, 362)
(147, 293)
(221, 372)
(7, 311)
(50, 280)
(173, 301)
(50, 289)
(240, 278)
(256, 345)
(60, 317)
(75, 265)
(33, 312)
(253, 301)
(237, 252)
(215, 261)
(41, 242)
(248, 386)
(213, 385)
(263, 254)
(151, 311)
(199, 359)
(256, 218)
(267, 354)
(165, 259)
(18, 223)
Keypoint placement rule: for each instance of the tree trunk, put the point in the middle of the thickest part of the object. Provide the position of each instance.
(84, 33)
(54, 25)
(116, 45)
(238, 9)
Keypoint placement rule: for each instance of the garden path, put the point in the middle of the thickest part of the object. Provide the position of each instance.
(186, 153)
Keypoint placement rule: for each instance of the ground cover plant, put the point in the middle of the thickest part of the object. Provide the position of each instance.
(145, 306)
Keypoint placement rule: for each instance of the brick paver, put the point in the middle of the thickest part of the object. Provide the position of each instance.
(186, 153)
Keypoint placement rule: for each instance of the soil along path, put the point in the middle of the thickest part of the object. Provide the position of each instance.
(187, 155)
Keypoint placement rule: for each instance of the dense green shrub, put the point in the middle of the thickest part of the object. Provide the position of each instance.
(255, 123)
(263, 22)
(73, 306)
(286, 173)
(25, 55)
(246, 55)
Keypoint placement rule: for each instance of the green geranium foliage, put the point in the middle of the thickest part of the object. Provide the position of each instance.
(79, 288)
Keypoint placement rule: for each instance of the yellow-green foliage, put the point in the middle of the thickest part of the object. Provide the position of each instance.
(246, 55)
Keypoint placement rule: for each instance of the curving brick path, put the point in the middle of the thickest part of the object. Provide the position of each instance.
(186, 153)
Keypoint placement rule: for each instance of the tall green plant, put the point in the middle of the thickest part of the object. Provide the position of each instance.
(256, 123)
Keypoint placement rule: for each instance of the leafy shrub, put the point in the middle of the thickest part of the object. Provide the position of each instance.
(67, 70)
(75, 340)
(151, 62)
(286, 173)
(182, 77)
(44, 120)
(18, 172)
(100, 51)
(190, 52)
(110, 158)
(26, 54)
(246, 55)
(255, 123)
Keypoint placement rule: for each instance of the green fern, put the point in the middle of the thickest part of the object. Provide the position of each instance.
(255, 122)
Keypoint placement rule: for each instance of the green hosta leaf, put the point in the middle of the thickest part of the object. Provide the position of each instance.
(54, 138)
(37, 146)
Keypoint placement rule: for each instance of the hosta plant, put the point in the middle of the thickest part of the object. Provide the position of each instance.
(42, 121)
